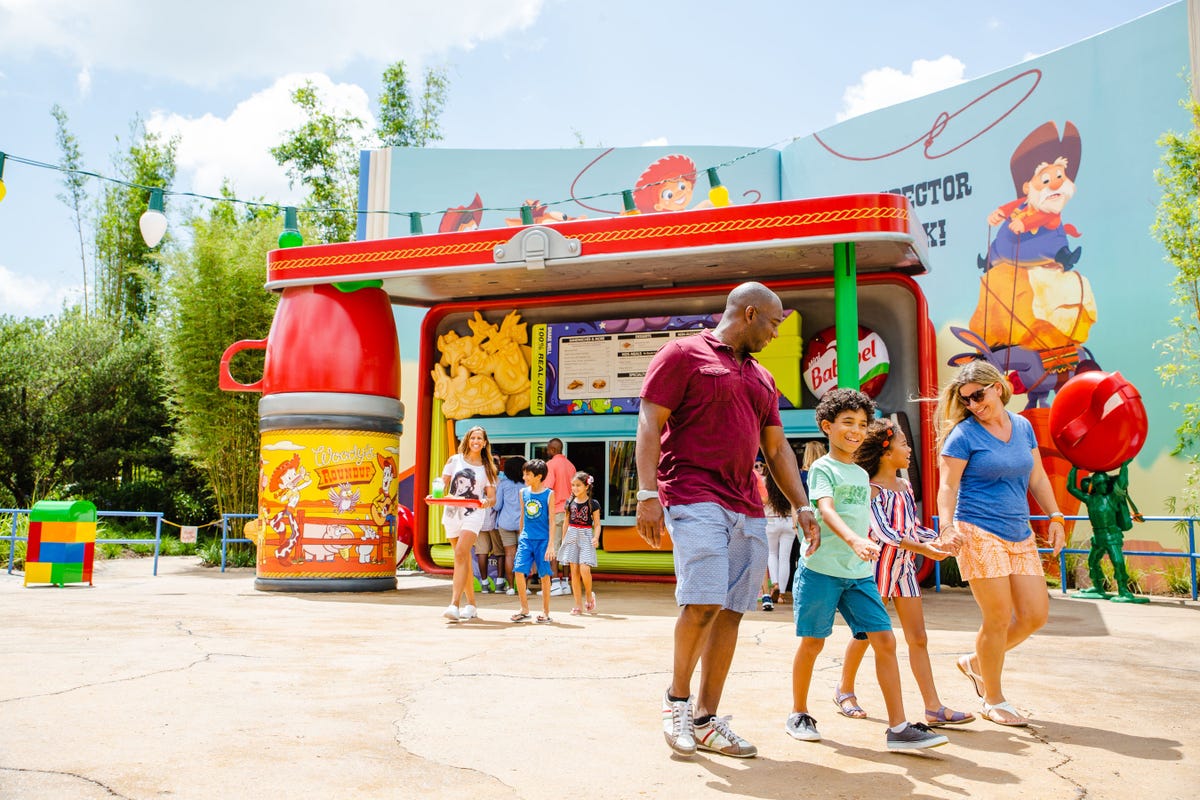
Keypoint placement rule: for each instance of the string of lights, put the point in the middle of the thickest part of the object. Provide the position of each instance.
(153, 222)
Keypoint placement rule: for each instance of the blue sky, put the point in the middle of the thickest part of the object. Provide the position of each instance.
(523, 74)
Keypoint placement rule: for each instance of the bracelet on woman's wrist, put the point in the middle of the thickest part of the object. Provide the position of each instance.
(1057, 515)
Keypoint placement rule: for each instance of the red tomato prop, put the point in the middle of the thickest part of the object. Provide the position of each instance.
(1098, 421)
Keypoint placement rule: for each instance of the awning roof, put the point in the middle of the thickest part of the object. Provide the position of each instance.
(787, 239)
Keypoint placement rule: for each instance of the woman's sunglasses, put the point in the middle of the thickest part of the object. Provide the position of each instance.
(975, 396)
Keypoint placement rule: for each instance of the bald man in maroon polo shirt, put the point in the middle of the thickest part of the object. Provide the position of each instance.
(707, 409)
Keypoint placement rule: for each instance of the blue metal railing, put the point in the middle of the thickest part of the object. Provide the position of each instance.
(225, 540)
(1191, 555)
(12, 538)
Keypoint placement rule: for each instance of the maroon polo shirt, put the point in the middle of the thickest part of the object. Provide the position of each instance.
(718, 411)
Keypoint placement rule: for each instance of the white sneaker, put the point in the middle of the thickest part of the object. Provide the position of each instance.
(678, 729)
(717, 736)
(510, 591)
(802, 726)
(451, 613)
(468, 612)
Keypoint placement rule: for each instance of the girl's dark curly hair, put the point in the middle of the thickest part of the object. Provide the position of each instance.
(776, 500)
(880, 435)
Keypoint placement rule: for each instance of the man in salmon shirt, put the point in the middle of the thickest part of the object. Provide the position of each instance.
(561, 471)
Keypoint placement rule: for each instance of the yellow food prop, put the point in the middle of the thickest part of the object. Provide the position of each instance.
(486, 373)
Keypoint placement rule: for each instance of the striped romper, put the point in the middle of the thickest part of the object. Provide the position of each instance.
(894, 519)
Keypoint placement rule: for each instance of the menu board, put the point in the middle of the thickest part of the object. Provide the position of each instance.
(598, 367)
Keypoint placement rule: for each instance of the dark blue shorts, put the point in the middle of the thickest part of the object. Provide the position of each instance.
(817, 596)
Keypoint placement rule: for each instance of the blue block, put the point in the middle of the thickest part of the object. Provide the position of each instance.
(54, 552)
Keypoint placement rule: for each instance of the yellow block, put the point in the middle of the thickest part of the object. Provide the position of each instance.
(38, 571)
(782, 358)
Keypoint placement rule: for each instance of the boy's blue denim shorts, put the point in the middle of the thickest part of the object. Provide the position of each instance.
(530, 552)
(720, 555)
(816, 596)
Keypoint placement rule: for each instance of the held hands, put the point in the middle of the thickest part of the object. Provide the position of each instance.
(929, 550)
(865, 549)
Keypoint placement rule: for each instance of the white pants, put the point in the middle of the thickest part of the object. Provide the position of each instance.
(780, 536)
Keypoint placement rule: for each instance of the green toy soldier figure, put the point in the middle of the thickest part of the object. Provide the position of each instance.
(1108, 506)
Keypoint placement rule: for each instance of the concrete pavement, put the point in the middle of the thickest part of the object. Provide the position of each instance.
(192, 684)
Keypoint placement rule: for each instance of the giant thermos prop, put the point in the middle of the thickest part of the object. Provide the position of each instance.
(330, 419)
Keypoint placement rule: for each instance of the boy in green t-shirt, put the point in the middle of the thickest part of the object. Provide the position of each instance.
(840, 575)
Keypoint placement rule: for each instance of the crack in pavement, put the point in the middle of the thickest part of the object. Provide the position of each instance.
(397, 725)
(138, 677)
(1080, 790)
(77, 776)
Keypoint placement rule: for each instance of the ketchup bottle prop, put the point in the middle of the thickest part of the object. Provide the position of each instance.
(1098, 421)
(329, 421)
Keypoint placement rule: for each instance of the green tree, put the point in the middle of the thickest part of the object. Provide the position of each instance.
(401, 124)
(322, 156)
(74, 183)
(214, 298)
(1177, 227)
(127, 271)
(79, 405)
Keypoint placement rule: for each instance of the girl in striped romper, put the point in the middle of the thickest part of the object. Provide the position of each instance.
(896, 527)
(581, 537)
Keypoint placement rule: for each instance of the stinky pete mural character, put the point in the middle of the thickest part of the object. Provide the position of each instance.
(1031, 297)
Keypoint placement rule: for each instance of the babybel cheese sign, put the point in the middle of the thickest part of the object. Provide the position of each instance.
(821, 369)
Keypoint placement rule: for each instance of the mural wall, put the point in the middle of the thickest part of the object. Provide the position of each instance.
(1035, 187)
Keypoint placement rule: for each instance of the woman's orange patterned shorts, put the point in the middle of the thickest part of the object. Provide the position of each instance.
(985, 555)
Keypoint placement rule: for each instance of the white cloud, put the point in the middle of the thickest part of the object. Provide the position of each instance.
(884, 87)
(660, 141)
(207, 44)
(83, 80)
(26, 296)
(236, 147)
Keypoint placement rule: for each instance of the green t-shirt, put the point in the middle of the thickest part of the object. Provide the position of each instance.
(850, 488)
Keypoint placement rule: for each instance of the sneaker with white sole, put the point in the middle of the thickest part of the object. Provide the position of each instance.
(716, 736)
(451, 613)
(468, 612)
(677, 725)
(510, 591)
(915, 736)
(803, 727)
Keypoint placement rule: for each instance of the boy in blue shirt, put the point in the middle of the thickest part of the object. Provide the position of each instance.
(840, 574)
(534, 543)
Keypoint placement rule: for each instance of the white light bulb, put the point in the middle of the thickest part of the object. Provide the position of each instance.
(154, 227)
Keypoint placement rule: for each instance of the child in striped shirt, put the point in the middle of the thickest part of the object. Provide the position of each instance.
(897, 529)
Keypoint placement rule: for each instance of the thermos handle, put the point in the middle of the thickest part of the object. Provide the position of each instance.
(226, 379)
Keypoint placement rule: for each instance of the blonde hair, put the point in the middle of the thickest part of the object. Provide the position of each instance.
(812, 451)
(489, 463)
(950, 408)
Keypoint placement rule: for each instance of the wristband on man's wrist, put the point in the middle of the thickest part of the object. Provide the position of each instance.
(1057, 515)
(647, 494)
(809, 509)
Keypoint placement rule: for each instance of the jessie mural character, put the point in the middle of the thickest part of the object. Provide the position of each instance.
(1031, 296)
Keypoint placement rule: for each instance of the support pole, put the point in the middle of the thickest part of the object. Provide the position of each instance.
(845, 314)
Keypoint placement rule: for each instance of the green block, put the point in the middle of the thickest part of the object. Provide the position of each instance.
(62, 511)
(66, 573)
